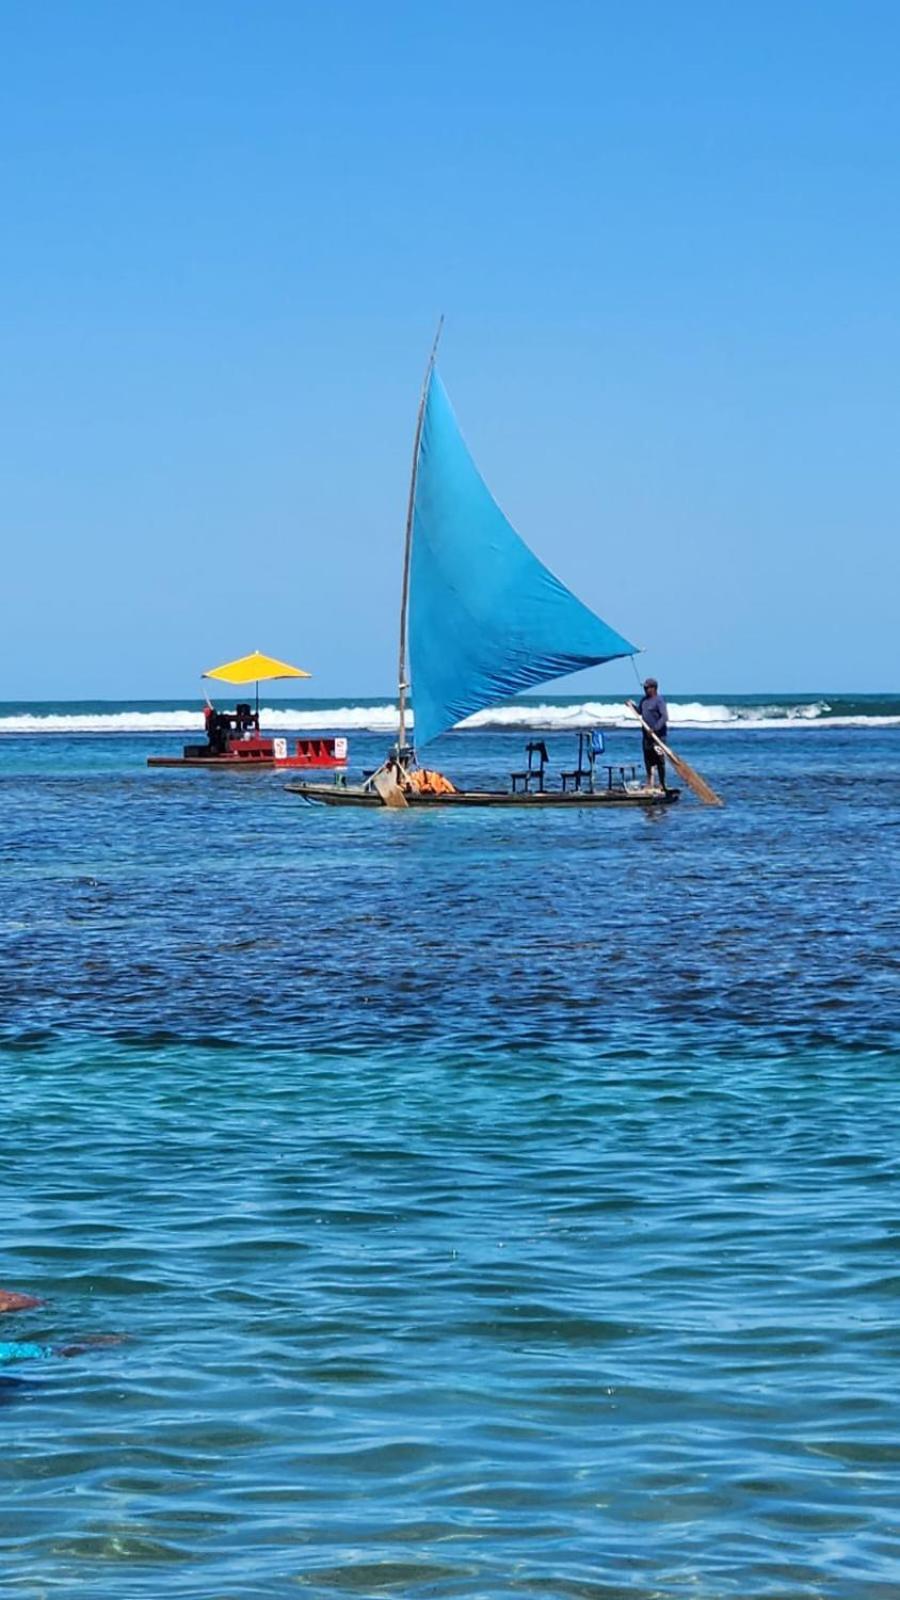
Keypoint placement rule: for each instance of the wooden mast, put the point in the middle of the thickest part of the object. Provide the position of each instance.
(403, 665)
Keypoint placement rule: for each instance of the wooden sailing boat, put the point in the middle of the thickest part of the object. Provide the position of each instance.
(481, 620)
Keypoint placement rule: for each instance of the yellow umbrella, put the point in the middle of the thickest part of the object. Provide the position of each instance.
(255, 668)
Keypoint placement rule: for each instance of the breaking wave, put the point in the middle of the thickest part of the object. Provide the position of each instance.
(743, 712)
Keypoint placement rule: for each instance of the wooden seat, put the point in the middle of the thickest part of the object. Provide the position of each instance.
(573, 778)
(621, 769)
(585, 767)
(536, 752)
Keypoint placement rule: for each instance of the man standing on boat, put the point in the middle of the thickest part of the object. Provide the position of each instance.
(654, 712)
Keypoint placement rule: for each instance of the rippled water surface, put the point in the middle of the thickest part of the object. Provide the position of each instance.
(490, 1204)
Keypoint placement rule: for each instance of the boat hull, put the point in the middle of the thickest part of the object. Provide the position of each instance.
(250, 755)
(242, 764)
(335, 794)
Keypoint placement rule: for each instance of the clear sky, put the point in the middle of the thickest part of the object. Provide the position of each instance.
(665, 238)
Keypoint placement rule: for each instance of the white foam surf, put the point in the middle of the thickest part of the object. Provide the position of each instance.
(374, 719)
(382, 718)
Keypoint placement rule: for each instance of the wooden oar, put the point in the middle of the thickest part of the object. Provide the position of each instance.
(388, 789)
(685, 772)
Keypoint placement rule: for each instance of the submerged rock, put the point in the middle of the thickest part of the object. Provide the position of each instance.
(11, 1301)
(30, 1350)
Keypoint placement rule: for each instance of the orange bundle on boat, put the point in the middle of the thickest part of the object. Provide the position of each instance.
(424, 781)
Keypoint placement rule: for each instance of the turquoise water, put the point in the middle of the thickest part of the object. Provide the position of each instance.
(480, 1204)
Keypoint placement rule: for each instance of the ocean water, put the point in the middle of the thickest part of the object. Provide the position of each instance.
(464, 1204)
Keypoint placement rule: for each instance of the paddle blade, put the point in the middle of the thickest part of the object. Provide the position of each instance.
(699, 785)
(389, 791)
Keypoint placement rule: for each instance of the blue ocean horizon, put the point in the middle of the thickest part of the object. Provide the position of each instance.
(475, 1203)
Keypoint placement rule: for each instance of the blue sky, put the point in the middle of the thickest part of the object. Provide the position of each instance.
(665, 238)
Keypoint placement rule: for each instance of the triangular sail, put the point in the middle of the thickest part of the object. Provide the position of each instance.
(487, 619)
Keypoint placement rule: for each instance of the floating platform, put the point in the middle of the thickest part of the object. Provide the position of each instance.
(254, 755)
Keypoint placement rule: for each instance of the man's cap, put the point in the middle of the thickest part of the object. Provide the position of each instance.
(651, 683)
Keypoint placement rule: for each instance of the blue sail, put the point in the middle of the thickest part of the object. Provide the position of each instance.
(487, 619)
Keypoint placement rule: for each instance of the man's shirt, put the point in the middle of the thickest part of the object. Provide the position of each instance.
(655, 713)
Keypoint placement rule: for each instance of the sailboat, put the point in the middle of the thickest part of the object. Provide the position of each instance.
(481, 620)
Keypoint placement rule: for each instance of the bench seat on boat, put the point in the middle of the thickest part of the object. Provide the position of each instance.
(533, 772)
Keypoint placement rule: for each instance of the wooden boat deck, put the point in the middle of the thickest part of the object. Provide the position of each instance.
(336, 794)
